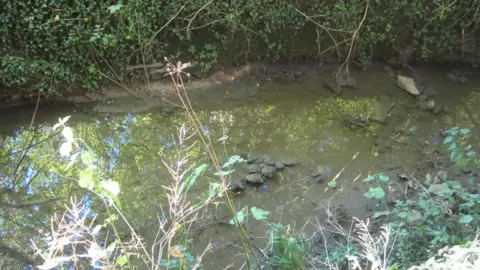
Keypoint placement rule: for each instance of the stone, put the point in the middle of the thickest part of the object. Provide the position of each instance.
(441, 177)
(451, 77)
(253, 168)
(436, 188)
(289, 162)
(254, 178)
(279, 166)
(461, 79)
(251, 160)
(466, 170)
(268, 171)
(429, 91)
(408, 84)
(428, 179)
(269, 161)
(237, 186)
(346, 81)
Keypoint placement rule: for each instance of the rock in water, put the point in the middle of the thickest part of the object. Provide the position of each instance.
(346, 81)
(381, 110)
(279, 165)
(255, 178)
(451, 77)
(268, 171)
(253, 168)
(408, 84)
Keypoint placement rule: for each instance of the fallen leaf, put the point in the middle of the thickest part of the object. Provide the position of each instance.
(175, 252)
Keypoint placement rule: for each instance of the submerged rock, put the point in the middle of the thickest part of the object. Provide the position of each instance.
(237, 186)
(346, 81)
(408, 84)
(279, 165)
(254, 178)
(268, 171)
(253, 168)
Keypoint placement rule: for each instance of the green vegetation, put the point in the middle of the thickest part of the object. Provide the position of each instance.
(47, 44)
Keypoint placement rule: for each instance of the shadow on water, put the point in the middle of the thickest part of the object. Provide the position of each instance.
(284, 120)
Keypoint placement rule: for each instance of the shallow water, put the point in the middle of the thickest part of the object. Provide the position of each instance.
(295, 120)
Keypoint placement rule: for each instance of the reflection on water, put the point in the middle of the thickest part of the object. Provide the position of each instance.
(299, 125)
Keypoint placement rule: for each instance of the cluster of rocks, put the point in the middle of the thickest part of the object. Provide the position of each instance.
(259, 170)
(423, 93)
(457, 76)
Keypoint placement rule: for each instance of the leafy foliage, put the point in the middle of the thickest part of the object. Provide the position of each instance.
(49, 43)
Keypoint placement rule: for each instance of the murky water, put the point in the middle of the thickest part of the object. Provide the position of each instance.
(283, 120)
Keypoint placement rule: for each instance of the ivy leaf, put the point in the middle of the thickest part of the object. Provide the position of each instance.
(466, 219)
(456, 155)
(448, 139)
(376, 193)
(464, 131)
(111, 187)
(86, 179)
(259, 214)
(65, 149)
(114, 8)
(383, 178)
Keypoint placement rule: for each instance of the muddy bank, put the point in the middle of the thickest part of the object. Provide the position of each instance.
(236, 83)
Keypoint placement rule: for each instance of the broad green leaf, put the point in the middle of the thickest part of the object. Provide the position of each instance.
(381, 213)
(232, 160)
(111, 186)
(88, 158)
(371, 178)
(456, 155)
(448, 139)
(259, 214)
(383, 178)
(402, 214)
(376, 193)
(65, 149)
(67, 133)
(463, 162)
(464, 131)
(240, 218)
(451, 146)
(470, 154)
(86, 179)
(114, 8)
(122, 260)
(192, 177)
(466, 219)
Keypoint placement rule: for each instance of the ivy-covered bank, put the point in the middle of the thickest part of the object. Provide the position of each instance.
(45, 44)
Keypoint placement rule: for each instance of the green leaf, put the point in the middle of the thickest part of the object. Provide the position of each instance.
(464, 131)
(88, 158)
(122, 260)
(381, 213)
(376, 193)
(111, 187)
(232, 160)
(470, 154)
(192, 177)
(240, 218)
(383, 178)
(259, 214)
(86, 179)
(456, 155)
(402, 214)
(448, 139)
(332, 184)
(466, 219)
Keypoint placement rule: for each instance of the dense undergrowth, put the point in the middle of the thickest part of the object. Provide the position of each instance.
(47, 44)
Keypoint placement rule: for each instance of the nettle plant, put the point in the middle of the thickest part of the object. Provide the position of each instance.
(445, 215)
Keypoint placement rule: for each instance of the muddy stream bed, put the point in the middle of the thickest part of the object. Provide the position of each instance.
(288, 121)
